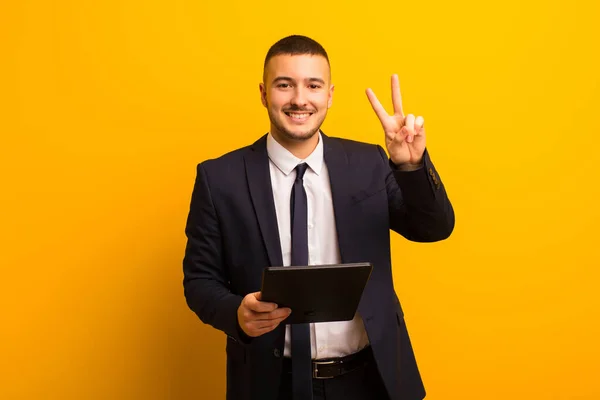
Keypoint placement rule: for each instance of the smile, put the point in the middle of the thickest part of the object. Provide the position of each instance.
(298, 116)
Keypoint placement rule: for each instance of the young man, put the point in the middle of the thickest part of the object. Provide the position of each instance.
(299, 197)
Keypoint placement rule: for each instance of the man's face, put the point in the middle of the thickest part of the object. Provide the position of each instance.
(297, 94)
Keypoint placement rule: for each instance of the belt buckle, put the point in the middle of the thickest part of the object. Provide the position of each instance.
(315, 369)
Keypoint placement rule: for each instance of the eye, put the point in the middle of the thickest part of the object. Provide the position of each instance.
(283, 85)
(315, 86)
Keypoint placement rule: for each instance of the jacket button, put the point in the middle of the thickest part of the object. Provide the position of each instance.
(277, 353)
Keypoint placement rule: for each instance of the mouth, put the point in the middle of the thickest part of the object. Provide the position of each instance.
(298, 116)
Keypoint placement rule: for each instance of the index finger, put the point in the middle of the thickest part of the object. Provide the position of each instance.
(396, 96)
(376, 104)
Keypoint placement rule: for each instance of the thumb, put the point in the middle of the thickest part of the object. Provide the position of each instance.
(256, 304)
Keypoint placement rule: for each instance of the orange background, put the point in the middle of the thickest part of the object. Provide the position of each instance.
(106, 108)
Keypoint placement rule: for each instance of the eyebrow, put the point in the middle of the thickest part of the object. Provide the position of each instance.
(288, 79)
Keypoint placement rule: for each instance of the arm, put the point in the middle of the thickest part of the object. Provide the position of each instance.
(205, 282)
(419, 207)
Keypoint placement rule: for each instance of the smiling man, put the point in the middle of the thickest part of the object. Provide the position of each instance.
(299, 197)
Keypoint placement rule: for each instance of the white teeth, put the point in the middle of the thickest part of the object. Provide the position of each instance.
(299, 116)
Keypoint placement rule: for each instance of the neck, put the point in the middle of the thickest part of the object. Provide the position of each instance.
(299, 148)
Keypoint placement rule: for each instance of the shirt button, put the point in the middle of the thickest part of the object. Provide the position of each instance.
(276, 353)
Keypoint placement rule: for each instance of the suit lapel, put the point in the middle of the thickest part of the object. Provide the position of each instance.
(261, 192)
(341, 191)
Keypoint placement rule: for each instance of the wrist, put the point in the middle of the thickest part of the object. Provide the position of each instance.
(244, 337)
(407, 166)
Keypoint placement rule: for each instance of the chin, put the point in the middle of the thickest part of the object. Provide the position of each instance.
(299, 135)
(304, 134)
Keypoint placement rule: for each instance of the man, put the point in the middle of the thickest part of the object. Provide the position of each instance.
(299, 197)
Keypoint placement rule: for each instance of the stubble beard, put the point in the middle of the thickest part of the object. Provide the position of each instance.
(293, 136)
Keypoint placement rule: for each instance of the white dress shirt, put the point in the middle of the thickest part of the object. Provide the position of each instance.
(331, 339)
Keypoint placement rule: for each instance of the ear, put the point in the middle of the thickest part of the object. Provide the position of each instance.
(263, 94)
(330, 101)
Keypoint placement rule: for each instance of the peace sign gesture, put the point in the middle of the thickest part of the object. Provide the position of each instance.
(404, 136)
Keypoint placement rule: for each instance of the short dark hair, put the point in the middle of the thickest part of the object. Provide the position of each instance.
(295, 45)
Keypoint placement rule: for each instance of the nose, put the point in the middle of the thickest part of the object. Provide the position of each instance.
(299, 97)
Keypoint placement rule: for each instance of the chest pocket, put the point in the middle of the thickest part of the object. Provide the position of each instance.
(366, 193)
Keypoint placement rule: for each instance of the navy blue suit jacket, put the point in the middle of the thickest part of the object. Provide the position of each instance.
(232, 235)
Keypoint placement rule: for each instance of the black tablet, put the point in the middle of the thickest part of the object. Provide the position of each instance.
(316, 293)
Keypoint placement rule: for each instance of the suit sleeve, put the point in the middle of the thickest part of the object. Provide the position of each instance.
(205, 282)
(419, 207)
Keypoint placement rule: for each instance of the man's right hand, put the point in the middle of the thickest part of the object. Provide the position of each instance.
(257, 317)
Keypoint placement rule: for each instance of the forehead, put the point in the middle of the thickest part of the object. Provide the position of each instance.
(298, 67)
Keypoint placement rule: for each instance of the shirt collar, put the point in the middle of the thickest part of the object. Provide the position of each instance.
(286, 161)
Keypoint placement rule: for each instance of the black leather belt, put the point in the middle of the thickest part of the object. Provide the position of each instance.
(330, 368)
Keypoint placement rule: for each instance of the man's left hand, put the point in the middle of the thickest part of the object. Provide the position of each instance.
(404, 135)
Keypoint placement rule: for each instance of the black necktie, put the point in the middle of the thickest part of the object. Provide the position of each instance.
(301, 352)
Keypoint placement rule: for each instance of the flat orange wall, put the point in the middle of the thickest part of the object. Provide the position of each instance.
(106, 108)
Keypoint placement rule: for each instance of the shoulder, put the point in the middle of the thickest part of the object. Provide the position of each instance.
(222, 173)
(226, 162)
(233, 161)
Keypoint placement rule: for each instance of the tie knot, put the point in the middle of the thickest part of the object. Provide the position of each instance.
(300, 170)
